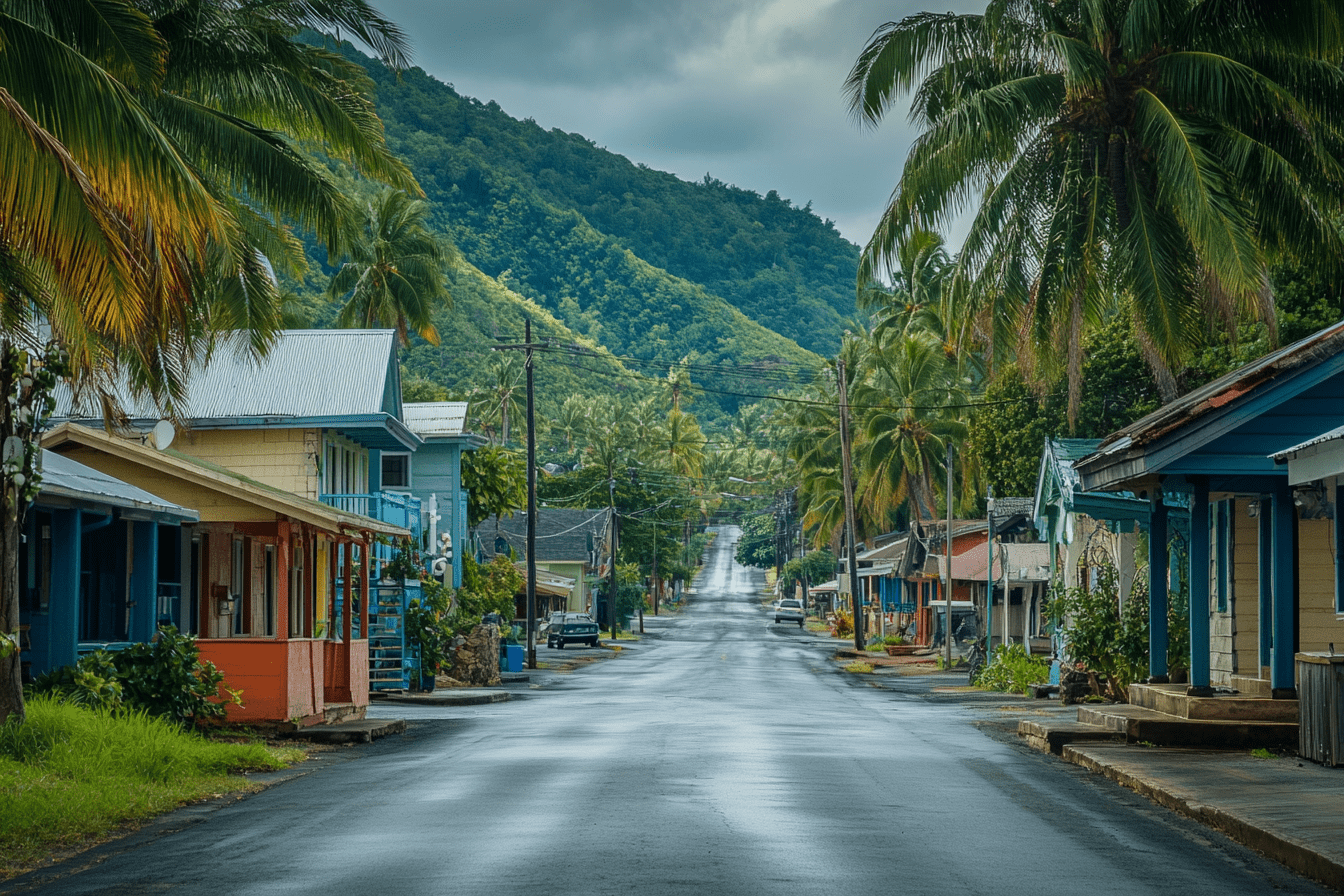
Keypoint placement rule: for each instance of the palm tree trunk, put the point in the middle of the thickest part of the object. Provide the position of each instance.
(11, 526)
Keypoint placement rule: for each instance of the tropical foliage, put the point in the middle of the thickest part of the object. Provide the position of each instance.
(153, 159)
(1147, 158)
(395, 275)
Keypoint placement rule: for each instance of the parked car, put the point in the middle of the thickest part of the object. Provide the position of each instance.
(571, 628)
(790, 610)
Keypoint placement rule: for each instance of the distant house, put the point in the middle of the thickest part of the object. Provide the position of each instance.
(102, 564)
(572, 543)
(261, 578)
(433, 472)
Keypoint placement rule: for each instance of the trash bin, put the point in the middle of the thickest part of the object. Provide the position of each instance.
(512, 658)
(1320, 707)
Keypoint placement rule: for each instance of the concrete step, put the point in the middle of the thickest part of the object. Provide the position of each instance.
(360, 731)
(1053, 735)
(1172, 700)
(1138, 724)
(335, 713)
(1251, 687)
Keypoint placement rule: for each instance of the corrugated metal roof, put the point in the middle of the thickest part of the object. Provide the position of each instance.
(307, 373)
(1034, 558)
(71, 480)
(1289, 453)
(1222, 391)
(435, 418)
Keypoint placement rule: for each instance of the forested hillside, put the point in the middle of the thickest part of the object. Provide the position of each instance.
(779, 265)
(745, 291)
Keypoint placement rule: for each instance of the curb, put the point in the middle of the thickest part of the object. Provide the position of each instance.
(1289, 852)
(449, 699)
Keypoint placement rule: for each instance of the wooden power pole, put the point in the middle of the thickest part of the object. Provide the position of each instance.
(850, 528)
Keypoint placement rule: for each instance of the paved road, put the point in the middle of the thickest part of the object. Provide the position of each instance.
(722, 755)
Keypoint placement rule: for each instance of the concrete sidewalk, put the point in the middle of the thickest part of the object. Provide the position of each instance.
(1286, 808)
(1289, 809)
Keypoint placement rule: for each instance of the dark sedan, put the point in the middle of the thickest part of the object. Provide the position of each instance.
(571, 628)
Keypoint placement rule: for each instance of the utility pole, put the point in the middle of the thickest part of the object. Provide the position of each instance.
(611, 588)
(850, 529)
(989, 580)
(947, 576)
(654, 577)
(526, 347)
(531, 502)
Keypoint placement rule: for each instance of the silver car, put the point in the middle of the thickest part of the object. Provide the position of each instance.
(790, 610)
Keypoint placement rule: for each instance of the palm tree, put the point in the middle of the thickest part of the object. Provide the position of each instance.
(395, 275)
(685, 454)
(1146, 157)
(130, 133)
(909, 402)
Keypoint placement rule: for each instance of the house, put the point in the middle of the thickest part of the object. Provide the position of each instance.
(101, 565)
(1086, 530)
(1021, 579)
(1248, 455)
(262, 578)
(313, 418)
(570, 542)
(433, 472)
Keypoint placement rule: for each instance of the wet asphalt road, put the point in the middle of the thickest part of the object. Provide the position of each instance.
(722, 755)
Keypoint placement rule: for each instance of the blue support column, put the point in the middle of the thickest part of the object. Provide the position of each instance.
(1266, 557)
(1199, 590)
(1281, 680)
(66, 529)
(144, 581)
(1158, 578)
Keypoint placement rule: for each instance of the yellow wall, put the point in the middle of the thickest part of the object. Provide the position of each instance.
(1245, 601)
(281, 458)
(1316, 586)
(212, 504)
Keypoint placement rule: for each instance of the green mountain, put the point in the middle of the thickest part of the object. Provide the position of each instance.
(746, 289)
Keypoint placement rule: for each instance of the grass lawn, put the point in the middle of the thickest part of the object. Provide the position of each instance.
(71, 776)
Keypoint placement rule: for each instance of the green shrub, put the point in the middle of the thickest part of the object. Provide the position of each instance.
(91, 683)
(429, 627)
(1013, 670)
(1106, 641)
(164, 677)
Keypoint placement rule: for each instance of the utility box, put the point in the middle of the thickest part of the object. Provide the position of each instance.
(512, 658)
(1320, 704)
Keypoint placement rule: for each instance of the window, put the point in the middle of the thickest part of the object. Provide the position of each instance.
(396, 470)
(1223, 553)
(298, 583)
(269, 585)
(238, 583)
(1338, 548)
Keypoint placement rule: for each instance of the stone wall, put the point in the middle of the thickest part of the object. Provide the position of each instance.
(476, 656)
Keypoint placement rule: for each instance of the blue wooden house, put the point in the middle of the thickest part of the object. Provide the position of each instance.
(101, 565)
(1261, 552)
(433, 472)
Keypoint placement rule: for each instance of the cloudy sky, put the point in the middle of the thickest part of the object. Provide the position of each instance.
(746, 90)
